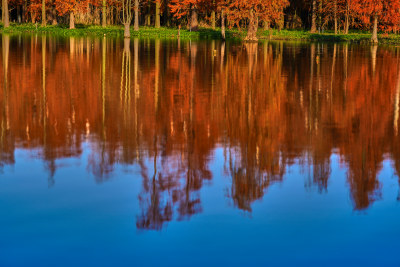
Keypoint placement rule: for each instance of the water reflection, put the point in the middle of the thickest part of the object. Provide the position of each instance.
(165, 106)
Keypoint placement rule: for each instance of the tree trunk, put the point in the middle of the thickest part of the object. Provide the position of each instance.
(223, 25)
(253, 26)
(213, 20)
(314, 17)
(104, 14)
(71, 20)
(374, 38)
(157, 22)
(320, 16)
(109, 16)
(96, 16)
(44, 20)
(53, 13)
(266, 25)
(194, 24)
(347, 22)
(252, 29)
(166, 14)
(148, 18)
(19, 14)
(335, 15)
(19, 18)
(127, 32)
(281, 22)
(136, 23)
(24, 11)
(6, 15)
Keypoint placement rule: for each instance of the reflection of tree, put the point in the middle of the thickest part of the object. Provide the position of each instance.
(7, 145)
(248, 184)
(156, 205)
(268, 105)
(176, 181)
(126, 72)
(48, 151)
(368, 123)
(254, 124)
(101, 162)
(395, 145)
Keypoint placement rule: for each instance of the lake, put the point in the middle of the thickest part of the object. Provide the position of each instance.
(190, 153)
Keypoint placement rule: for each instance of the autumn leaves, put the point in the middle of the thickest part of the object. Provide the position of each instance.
(364, 14)
(239, 13)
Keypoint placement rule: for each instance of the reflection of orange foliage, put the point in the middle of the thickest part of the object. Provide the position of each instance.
(266, 105)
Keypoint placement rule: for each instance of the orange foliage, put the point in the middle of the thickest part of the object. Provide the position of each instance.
(182, 8)
(263, 10)
(387, 12)
(66, 6)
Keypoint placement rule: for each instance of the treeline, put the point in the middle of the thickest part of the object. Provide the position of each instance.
(316, 15)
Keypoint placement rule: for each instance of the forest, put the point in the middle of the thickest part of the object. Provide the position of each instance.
(315, 16)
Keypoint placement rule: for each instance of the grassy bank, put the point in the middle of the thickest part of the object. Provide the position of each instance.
(353, 36)
(116, 31)
(203, 33)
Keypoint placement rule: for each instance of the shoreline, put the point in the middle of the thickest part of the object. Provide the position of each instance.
(201, 34)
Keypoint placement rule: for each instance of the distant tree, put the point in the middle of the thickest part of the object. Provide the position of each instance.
(157, 23)
(190, 8)
(382, 12)
(104, 13)
(127, 16)
(71, 7)
(6, 14)
(136, 23)
(44, 21)
(254, 11)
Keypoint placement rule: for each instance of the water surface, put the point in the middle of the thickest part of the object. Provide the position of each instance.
(155, 152)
